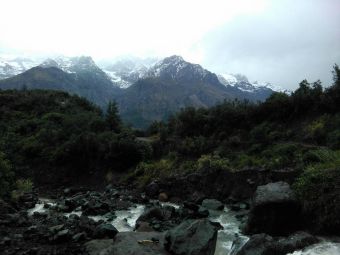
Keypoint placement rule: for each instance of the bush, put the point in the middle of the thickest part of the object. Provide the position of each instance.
(319, 189)
(213, 162)
(22, 186)
(6, 176)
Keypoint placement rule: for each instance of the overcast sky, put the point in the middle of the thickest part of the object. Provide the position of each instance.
(280, 41)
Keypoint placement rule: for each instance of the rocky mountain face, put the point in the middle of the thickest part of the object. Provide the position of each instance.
(145, 89)
(168, 86)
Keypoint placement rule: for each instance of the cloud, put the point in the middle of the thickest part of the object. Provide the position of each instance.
(292, 41)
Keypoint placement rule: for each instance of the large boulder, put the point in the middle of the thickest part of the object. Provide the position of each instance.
(129, 243)
(192, 237)
(262, 244)
(105, 231)
(160, 218)
(275, 210)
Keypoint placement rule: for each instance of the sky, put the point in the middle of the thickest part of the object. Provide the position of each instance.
(278, 41)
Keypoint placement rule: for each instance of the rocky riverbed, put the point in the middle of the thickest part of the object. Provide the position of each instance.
(124, 221)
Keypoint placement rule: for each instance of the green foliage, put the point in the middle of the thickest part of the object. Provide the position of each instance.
(318, 188)
(6, 176)
(213, 162)
(21, 186)
(51, 136)
(112, 117)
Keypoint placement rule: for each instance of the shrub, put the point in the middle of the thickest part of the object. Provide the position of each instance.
(6, 176)
(22, 186)
(213, 162)
(318, 187)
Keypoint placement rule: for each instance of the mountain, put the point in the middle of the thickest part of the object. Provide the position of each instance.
(168, 86)
(145, 89)
(77, 76)
(126, 71)
(13, 66)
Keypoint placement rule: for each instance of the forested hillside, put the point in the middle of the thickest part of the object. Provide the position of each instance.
(54, 138)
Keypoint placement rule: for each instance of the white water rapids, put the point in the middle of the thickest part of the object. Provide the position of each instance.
(227, 238)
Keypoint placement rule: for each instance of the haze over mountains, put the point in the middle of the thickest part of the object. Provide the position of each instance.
(144, 89)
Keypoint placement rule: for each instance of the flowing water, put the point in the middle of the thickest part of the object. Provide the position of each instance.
(229, 240)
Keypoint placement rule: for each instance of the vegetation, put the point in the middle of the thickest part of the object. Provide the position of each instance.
(51, 137)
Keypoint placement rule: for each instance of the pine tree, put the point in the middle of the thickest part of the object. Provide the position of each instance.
(112, 117)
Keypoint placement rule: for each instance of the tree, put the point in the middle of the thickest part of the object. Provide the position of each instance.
(112, 117)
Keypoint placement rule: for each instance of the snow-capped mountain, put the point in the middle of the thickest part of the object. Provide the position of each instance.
(13, 66)
(242, 83)
(72, 64)
(176, 68)
(126, 71)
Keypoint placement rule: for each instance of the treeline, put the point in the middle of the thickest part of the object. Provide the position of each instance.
(52, 138)
(310, 114)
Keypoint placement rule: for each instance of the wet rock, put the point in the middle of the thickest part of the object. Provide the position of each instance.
(163, 197)
(212, 204)
(152, 190)
(95, 207)
(144, 227)
(62, 236)
(275, 210)
(79, 237)
(263, 244)
(105, 231)
(192, 237)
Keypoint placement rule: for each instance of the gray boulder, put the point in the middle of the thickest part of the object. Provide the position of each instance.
(192, 237)
(105, 231)
(275, 210)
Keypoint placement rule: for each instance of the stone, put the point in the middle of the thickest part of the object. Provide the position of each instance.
(192, 237)
(105, 231)
(152, 189)
(275, 210)
(163, 197)
(260, 244)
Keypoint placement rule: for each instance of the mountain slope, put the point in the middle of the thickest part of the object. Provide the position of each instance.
(85, 84)
(170, 85)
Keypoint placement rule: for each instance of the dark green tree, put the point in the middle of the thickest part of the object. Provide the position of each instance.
(112, 117)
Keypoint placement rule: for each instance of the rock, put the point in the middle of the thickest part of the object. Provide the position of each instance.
(212, 204)
(105, 231)
(132, 243)
(129, 243)
(152, 190)
(144, 227)
(100, 247)
(56, 229)
(163, 197)
(192, 237)
(79, 237)
(5, 208)
(275, 210)
(260, 244)
(192, 206)
(257, 245)
(95, 207)
(67, 191)
(62, 236)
